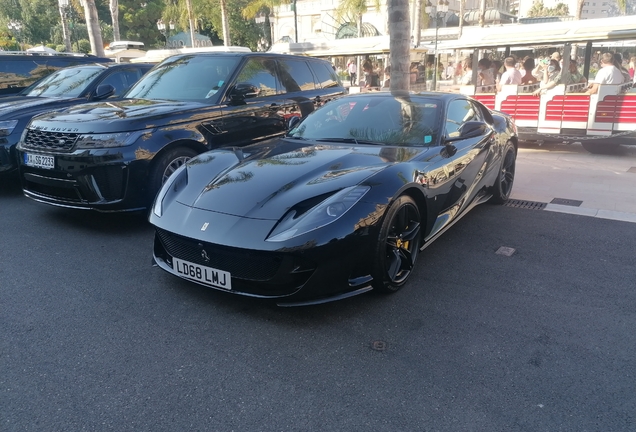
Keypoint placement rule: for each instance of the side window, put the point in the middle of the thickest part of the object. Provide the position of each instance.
(261, 73)
(459, 112)
(122, 80)
(325, 74)
(295, 76)
(21, 73)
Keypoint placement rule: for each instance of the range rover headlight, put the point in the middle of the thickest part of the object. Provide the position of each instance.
(7, 126)
(120, 139)
(328, 211)
(175, 184)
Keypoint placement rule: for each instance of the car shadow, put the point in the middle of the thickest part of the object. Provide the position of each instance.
(105, 223)
(10, 185)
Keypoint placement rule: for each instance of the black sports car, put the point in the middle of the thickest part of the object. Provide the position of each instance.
(341, 205)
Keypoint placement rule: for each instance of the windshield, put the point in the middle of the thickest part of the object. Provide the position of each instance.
(65, 83)
(185, 78)
(386, 120)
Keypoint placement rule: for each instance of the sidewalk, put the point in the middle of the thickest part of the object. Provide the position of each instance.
(605, 184)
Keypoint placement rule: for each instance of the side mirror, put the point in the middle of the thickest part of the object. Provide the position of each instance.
(103, 91)
(293, 122)
(472, 129)
(242, 91)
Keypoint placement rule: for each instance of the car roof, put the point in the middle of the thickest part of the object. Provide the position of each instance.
(385, 94)
(247, 54)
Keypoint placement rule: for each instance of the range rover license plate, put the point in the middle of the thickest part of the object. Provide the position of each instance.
(206, 275)
(39, 161)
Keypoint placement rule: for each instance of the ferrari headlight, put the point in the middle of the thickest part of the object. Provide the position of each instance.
(7, 126)
(175, 184)
(121, 139)
(326, 212)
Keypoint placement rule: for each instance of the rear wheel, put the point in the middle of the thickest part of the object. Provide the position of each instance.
(503, 185)
(398, 245)
(599, 148)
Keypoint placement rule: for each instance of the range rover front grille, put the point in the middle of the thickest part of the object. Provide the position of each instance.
(44, 140)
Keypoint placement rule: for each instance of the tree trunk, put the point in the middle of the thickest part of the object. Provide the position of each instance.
(92, 25)
(579, 9)
(225, 23)
(400, 44)
(114, 14)
(358, 62)
(482, 13)
(417, 27)
(190, 22)
(462, 4)
(65, 32)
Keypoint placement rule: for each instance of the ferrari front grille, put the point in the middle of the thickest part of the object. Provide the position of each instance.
(241, 263)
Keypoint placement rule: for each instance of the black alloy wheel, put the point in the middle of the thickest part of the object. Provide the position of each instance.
(398, 245)
(506, 177)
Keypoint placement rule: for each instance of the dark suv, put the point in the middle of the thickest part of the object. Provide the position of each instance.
(114, 156)
(19, 70)
(61, 89)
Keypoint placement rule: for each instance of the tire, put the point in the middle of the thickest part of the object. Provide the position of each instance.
(397, 246)
(505, 178)
(600, 148)
(166, 165)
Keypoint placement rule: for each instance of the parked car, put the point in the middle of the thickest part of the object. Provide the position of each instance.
(61, 89)
(341, 205)
(18, 70)
(114, 156)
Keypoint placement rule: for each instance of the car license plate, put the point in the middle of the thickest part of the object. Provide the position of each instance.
(39, 161)
(206, 275)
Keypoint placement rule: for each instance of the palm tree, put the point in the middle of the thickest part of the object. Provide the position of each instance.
(254, 7)
(225, 23)
(417, 25)
(114, 14)
(400, 43)
(92, 25)
(190, 20)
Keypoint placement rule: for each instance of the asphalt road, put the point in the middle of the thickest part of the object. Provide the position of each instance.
(94, 338)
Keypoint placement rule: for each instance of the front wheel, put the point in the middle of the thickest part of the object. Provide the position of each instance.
(503, 185)
(398, 245)
(167, 164)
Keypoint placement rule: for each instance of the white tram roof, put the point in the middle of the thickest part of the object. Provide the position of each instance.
(373, 45)
(583, 31)
(155, 56)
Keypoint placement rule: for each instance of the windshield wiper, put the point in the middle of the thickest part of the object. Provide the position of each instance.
(349, 141)
(296, 137)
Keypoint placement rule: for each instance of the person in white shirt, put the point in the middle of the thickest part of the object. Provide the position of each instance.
(511, 75)
(607, 74)
(484, 75)
(450, 71)
(352, 69)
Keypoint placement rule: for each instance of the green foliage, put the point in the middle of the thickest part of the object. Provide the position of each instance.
(538, 9)
(84, 46)
(60, 48)
(140, 23)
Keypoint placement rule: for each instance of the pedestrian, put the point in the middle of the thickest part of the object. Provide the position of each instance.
(607, 74)
(551, 76)
(484, 75)
(352, 68)
(511, 75)
(450, 71)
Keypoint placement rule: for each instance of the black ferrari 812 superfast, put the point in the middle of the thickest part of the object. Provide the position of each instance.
(341, 205)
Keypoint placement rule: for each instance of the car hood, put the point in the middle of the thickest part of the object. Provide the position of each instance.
(17, 106)
(264, 181)
(118, 115)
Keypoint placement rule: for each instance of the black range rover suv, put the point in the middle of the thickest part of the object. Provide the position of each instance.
(114, 156)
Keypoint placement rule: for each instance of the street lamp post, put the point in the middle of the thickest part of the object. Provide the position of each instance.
(261, 18)
(64, 4)
(15, 27)
(165, 29)
(440, 13)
